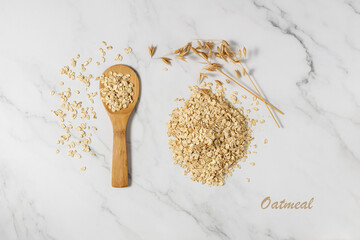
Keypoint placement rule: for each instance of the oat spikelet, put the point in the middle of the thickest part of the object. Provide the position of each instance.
(181, 57)
(244, 51)
(237, 73)
(200, 46)
(185, 50)
(202, 76)
(204, 55)
(239, 53)
(195, 51)
(177, 50)
(225, 43)
(166, 60)
(233, 60)
(216, 65)
(209, 45)
(151, 50)
(210, 68)
(205, 90)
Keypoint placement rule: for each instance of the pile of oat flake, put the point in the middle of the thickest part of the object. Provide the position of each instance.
(209, 135)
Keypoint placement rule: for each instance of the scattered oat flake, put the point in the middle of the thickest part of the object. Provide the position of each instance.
(109, 47)
(265, 141)
(78, 56)
(128, 50)
(102, 51)
(73, 62)
(61, 83)
(247, 179)
(252, 164)
(57, 151)
(118, 57)
(52, 92)
(193, 144)
(165, 69)
(83, 168)
(262, 121)
(104, 43)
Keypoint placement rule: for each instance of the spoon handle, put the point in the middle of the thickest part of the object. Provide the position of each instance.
(119, 164)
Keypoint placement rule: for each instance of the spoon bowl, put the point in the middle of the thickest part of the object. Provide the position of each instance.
(119, 121)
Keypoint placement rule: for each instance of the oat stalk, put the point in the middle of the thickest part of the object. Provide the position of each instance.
(253, 83)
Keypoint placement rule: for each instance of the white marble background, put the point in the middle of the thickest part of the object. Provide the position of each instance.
(304, 54)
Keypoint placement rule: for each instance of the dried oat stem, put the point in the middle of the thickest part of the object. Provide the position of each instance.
(261, 99)
(257, 90)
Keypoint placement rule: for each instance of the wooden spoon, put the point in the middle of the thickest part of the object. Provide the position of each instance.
(119, 121)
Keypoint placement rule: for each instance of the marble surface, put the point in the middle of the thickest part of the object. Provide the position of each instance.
(305, 55)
